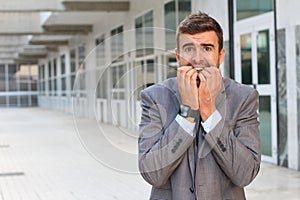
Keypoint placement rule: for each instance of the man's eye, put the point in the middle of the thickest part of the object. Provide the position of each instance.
(189, 49)
(207, 49)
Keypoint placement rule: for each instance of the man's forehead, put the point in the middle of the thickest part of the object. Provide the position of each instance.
(198, 38)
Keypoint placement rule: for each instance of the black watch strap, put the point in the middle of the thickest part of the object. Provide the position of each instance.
(194, 113)
(186, 111)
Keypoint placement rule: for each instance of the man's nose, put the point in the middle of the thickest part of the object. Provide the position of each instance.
(199, 57)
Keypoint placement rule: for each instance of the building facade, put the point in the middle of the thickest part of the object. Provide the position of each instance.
(98, 74)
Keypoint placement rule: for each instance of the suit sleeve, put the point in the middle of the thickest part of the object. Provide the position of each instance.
(236, 147)
(162, 142)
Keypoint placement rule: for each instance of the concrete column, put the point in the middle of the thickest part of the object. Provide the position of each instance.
(292, 98)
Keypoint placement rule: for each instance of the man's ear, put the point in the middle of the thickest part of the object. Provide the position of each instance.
(177, 55)
(222, 55)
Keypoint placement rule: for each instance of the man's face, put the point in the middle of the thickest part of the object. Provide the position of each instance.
(199, 50)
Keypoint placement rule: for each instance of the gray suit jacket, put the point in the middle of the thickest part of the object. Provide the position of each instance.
(217, 168)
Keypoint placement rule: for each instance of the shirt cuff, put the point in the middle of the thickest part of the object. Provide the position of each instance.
(212, 121)
(185, 124)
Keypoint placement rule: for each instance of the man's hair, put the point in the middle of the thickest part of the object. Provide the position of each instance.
(198, 23)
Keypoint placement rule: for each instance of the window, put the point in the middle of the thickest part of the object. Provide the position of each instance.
(63, 72)
(246, 59)
(41, 79)
(73, 67)
(144, 35)
(12, 78)
(100, 51)
(55, 77)
(54, 68)
(50, 78)
(62, 64)
(175, 12)
(24, 78)
(2, 78)
(246, 8)
(145, 74)
(118, 82)
(102, 87)
(102, 80)
(49, 70)
(117, 44)
(81, 58)
(263, 57)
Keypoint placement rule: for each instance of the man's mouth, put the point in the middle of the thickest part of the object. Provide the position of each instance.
(199, 69)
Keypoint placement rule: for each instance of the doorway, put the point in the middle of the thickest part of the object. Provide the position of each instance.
(255, 66)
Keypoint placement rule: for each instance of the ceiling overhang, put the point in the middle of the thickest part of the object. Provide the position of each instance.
(31, 25)
(108, 6)
(68, 29)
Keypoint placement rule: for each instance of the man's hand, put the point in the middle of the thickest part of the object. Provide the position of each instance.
(186, 78)
(210, 86)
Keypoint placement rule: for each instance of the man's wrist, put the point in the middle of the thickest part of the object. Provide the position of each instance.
(188, 113)
(190, 119)
(205, 114)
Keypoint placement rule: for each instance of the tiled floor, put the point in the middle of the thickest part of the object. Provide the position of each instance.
(49, 155)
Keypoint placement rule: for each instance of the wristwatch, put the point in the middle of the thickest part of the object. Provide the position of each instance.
(186, 111)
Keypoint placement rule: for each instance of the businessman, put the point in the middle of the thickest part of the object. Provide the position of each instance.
(199, 136)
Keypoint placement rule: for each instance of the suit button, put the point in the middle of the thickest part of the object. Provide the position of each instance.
(192, 189)
(219, 141)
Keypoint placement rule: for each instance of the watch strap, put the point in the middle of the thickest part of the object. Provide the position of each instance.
(186, 111)
(194, 113)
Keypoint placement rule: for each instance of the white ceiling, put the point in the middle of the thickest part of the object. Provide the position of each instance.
(26, 23)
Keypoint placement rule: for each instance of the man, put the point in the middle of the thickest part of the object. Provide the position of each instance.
(199, 136)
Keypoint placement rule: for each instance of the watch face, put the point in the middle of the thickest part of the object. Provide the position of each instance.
(184, 110)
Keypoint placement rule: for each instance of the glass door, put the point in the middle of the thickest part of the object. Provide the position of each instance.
(255, 66)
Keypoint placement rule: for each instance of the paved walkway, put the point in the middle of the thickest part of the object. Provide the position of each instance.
(50, 155)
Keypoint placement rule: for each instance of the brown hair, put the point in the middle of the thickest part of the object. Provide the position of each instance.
(197, 23)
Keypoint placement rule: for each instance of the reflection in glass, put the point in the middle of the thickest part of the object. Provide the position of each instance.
(297, 34)
(282, 98)
(263, 57)
(246, 58)
(265, 125)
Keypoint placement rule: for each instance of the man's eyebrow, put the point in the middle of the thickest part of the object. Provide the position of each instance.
(207, 45)
(188, 44)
